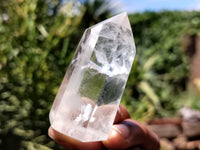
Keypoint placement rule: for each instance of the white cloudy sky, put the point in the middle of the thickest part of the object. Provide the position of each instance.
(157, 5)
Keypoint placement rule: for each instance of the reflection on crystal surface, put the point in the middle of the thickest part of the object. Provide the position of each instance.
(87, 101)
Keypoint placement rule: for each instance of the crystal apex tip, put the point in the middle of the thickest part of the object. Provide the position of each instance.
(120, 19)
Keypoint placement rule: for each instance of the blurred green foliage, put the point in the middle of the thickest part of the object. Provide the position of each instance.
(34, 54)
(37, 42)
(160, 71)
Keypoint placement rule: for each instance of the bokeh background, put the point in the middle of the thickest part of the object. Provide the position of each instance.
(38, 39)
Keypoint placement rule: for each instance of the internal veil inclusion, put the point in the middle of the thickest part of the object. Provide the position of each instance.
(88, 98)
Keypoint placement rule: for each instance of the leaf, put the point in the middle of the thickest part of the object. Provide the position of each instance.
(148, 90)
(150, 62)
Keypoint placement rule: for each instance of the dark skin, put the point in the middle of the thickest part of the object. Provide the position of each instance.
(126, 134)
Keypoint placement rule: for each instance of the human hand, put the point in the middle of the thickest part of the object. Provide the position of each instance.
(126, 133)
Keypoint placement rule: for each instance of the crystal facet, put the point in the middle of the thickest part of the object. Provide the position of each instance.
(88, 98)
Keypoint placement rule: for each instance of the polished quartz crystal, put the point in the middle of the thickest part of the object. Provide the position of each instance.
(89, 96)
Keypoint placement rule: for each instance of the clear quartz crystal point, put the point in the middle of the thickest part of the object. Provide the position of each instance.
(88, 98)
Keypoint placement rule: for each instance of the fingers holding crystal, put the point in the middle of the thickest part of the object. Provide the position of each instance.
(133, 134)
(126, 134)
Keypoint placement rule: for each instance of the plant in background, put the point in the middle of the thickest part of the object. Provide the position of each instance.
(160, 73)
(34, 54)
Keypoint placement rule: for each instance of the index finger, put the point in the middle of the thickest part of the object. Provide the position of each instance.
(122, 114)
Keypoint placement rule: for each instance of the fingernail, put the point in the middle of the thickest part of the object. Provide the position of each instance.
(122, 129)
(50, 132)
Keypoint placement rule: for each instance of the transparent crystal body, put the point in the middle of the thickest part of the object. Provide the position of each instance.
(88, 98)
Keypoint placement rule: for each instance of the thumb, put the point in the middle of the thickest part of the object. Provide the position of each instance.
(131, 134)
